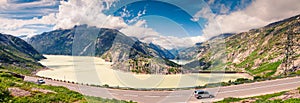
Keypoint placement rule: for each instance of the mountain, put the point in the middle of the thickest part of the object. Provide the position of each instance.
(260, 52)
(16, 54)
(191, 53)
(222, 36)
(162, 52)
(109, 44)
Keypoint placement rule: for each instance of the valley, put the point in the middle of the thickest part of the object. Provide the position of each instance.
(95, 71)
(149, 51)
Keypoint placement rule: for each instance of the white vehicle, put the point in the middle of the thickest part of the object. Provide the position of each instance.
(40, 81)
(202, 94)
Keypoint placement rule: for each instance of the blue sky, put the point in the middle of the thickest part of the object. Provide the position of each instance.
(161, 16)
(29, 10)
(163, 20)
(170, 19)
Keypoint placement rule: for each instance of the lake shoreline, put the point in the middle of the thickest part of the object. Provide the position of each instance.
(98, 73)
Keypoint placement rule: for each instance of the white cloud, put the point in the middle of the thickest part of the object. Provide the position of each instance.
(20, 31)
(3, 2)
(72, 12)
(125, 12)
(40, 7)
(91, 12)
(76, 12)
(148, 35)
(224, 9)
(170, 42)
(16, 26)
(205, 12)
(259, 13)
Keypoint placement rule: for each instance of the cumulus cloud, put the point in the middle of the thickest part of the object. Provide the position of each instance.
(149, 35)
(170, 42)
(13, 9)
(70, 13)
(91, 12)
(259, 13)
(17, 27)
(10, 11)
(77, 12)
(3, 2)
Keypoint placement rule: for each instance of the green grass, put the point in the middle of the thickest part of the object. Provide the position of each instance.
(230, 99)
(91, 99)
(16, 69)
(268, 96)
(266, 67)
(298, 72)
(62, 95)
(263, 99)
(249, 60)
(259, 99)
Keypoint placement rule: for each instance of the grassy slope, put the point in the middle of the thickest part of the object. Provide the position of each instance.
(259, 52)
(18, 56)
(263, 99)
(62, 94)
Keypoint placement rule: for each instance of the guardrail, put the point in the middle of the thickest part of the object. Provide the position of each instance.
(227, 72)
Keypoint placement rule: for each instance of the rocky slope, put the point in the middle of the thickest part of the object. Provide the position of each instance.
(258, 51)
(15, 54)
(109, 44)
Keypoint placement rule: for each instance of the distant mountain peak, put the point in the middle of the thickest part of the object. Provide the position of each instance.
(109, 44)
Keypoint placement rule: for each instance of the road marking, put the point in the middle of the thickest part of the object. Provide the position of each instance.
(130, 95)
(174, 96)
(152, 96)
(114, 94)
(268, 86)
(262, 82)
(232, 87)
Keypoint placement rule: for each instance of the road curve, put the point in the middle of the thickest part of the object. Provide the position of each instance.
(243, 90)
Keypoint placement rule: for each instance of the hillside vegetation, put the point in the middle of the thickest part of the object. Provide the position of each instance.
(109, 44)
(17, 55)
(292, 96)
(259, 52)
(15, 90)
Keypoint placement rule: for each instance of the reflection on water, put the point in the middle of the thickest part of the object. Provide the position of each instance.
(93, 70)
(181, 62)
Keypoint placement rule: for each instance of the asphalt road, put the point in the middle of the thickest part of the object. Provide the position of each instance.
(182, 96)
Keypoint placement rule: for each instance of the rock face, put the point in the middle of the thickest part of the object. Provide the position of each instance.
(10, 44)
(17, 52)
(109, 44)
(258, 51)
(162, 52)
(17, 92)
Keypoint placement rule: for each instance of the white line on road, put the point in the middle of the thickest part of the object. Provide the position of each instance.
(114, 94)
(153, 96)
(173, 96)
(130, 95)
(268, 86)
(282, 79)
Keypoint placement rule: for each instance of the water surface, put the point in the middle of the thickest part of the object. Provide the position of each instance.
(94, 70)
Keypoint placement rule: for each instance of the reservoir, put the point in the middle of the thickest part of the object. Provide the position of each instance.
(94, 70)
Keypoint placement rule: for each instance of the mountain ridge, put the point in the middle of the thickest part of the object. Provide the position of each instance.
(109, 44)
(259, 52)
(17, 55)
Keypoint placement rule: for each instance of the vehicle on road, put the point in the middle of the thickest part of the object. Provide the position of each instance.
(199, 94)
(40, 81)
